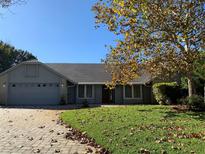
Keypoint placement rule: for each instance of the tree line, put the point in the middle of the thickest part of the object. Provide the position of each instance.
(10, 56)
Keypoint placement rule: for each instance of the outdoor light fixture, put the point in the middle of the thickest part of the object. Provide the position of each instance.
(4, 85)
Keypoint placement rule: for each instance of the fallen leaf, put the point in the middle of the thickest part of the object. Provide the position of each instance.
(51, 131)
(89, 150)
(41, 127)
(37, 151)
(54, 141)
(30, 138)
(57, 151)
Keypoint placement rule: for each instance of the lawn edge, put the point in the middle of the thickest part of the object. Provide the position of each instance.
(75, 134)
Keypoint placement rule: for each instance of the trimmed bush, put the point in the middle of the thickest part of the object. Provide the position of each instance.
(163, 92)
(195, 102)
(85, 104)
(62, 101)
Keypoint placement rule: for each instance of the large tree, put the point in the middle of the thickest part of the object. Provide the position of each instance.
(198, 76)
(163, 36)
(9, 56)
(7, 3)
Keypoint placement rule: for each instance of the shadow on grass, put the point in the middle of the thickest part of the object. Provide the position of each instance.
(197, 115)
(50, 107)
(145, 110)
(190, 114)
(171, 114)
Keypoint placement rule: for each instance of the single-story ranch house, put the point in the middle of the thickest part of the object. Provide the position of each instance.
(33, 83)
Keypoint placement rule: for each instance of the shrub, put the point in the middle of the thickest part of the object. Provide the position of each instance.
(85, 104)
(195, 102)
(163, 92)
(62, 101)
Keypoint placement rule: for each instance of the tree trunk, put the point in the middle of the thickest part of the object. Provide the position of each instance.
(191, 88)
(204, 93)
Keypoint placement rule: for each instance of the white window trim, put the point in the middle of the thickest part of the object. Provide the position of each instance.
(132, 86)
(85, 91)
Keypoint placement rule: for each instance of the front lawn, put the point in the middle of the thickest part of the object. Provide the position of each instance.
(132, 129)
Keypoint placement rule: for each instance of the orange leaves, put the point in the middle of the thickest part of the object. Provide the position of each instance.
(199, 135)
(165, 139)
(144, 151)
(167, 35)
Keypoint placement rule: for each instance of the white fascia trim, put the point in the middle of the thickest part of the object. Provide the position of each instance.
(84, 83)
(92, 83)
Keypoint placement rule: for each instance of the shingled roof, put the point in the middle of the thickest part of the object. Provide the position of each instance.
(89, 73)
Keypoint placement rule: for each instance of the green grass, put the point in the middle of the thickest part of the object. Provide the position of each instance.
(131, 128)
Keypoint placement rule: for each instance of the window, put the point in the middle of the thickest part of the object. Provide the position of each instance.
(128, 91)
(85, 91)
(132, 91)
(81, 91)
(89, 91)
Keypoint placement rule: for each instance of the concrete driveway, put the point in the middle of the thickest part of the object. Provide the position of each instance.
(34, 131)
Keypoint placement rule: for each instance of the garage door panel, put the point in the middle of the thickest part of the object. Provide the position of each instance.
(34, 94)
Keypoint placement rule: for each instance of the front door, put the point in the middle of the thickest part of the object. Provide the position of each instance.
(107, 95)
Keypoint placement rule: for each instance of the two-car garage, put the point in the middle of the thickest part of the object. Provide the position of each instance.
(30, 94)
(31, 84)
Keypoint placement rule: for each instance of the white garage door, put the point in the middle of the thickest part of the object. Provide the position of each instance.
(33, 94)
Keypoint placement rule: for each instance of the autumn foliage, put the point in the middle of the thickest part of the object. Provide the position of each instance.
(165, 37)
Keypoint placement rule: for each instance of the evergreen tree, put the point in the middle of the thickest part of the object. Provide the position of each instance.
(9, 56)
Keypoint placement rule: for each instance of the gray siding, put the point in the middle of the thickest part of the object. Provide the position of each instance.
(133, 101)
(18, 75)
(71, 94)
(98, 94)
(3, 90)
(147, 95)
(119, 95)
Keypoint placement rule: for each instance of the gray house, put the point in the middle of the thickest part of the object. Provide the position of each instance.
(36, 83)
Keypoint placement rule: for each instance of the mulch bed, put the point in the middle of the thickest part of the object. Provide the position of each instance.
(181, 108)
(187, 108)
